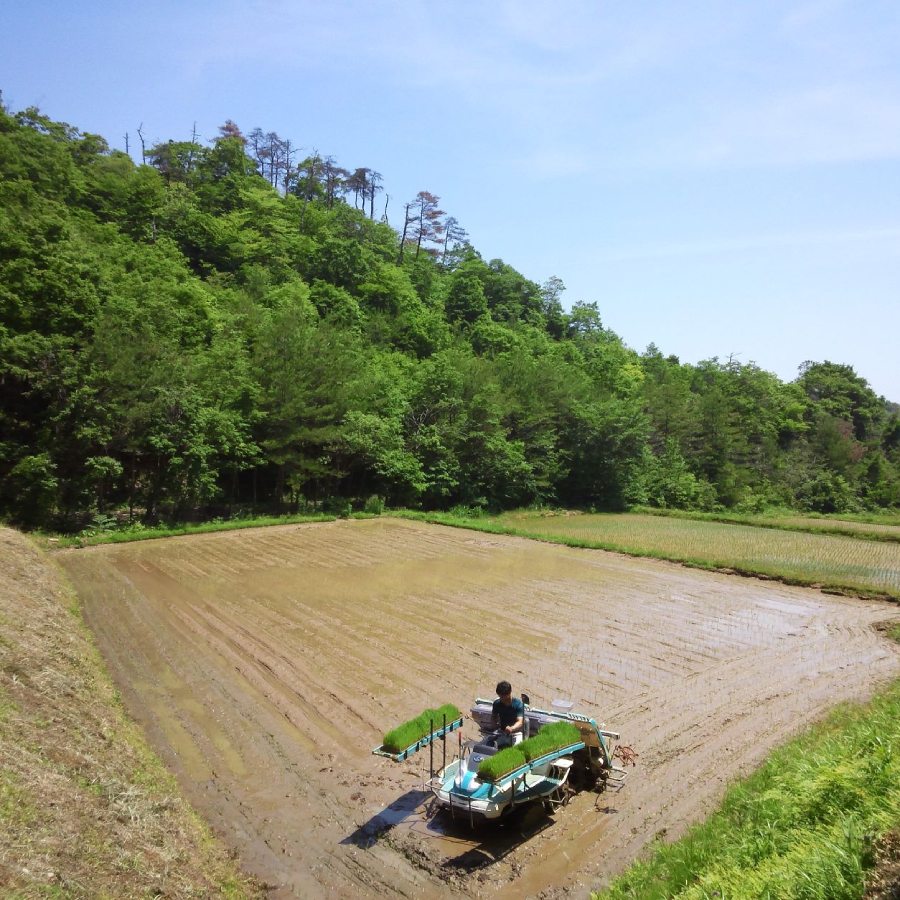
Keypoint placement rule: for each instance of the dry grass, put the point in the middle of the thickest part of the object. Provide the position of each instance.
(86, 810)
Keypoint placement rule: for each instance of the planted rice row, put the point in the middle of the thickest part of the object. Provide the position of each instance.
(832, 560)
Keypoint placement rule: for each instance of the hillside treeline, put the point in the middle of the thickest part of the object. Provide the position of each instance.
(228, 327)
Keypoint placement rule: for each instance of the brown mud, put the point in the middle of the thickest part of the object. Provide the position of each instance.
(266, 664)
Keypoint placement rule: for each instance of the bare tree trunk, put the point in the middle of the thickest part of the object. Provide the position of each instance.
(288, 153)
(403, 236)
(194, 137)
(421, 228)
(143, 144)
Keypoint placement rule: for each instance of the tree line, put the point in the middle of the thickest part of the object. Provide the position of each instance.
(230, 326)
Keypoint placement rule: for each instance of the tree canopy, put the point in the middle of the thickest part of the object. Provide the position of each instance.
(233, 325)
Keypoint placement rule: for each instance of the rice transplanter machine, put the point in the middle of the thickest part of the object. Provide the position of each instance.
(563, 751)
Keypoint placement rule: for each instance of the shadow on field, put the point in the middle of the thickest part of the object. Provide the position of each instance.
(489, 842)
(399, 811)
(479, 845)
(464, 847)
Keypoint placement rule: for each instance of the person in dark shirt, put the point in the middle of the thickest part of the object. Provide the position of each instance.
(508, 713)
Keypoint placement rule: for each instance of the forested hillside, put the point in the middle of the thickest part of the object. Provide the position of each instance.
(228, 326)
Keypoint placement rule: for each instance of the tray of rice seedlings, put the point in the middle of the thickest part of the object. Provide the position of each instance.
(506, 761)
(559, 736)
(551, 739)
(419, 732)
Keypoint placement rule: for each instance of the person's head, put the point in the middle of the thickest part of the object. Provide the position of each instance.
(504, 691)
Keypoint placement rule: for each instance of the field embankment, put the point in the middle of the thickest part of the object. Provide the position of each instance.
(811, 822)
(265, 665)
(832, 562)
(86, 809)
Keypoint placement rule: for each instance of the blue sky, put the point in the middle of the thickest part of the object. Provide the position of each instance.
(720, 177)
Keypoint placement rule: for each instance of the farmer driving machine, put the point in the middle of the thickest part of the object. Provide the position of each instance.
(562, 752)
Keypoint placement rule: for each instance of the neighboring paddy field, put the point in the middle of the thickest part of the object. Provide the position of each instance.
(266, 664)
(878, 527)
(824, 560)
(876, 530)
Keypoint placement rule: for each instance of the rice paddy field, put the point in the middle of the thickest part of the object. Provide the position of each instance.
(876, 527)
(876, 530)
(264, 666)
(837, 562)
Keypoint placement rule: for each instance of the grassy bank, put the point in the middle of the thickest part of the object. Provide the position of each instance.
(826, 561)
(86, 809)
(819, 820)
(137, 532)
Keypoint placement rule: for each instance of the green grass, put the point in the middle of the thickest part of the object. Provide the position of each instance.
(408, 733)
(7, 707)
(827, 561)
(144, 533)
(803, 826)
(16, 807)
(880, 517)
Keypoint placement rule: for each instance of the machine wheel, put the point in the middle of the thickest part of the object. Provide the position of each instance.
(582, 775)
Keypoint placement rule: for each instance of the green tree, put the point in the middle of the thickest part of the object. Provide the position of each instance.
(465, 301)
(308, 374)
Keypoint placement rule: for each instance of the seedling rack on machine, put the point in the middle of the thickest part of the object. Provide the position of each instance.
(426, 740)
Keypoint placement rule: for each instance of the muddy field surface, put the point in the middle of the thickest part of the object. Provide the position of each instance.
(266, 664)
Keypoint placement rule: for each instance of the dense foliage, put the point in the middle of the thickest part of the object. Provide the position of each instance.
(222, 328)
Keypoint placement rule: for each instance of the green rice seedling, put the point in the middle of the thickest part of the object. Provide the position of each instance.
(507, 760)
(408, 733)
(549, 738)
(436, 716)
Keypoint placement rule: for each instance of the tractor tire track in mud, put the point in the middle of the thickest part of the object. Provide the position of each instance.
(265, 664)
